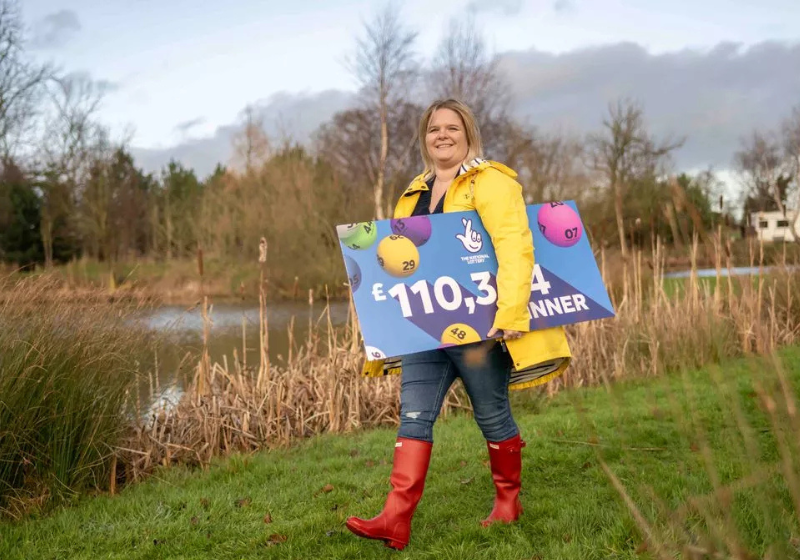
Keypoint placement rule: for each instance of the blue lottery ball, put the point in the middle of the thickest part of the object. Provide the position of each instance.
(353, 273)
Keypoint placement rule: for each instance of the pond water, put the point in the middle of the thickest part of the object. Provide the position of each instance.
(183, 332)
(233, 326)
(734, 271)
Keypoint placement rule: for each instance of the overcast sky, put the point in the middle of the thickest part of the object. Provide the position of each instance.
(181, 71)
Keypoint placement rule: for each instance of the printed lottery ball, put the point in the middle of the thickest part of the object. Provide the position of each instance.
(398, 256)
(362, 236)
(559, 224)
(459, 333)
(416, 228)
(374, 353)
(353, 273)
(346, 230)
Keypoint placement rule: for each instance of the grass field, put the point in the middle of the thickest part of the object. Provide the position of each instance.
(679, 287)
(669, 442)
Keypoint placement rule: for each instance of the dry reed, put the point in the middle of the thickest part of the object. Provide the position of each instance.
(242, 409)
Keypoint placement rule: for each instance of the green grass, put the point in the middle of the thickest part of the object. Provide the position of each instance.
(679, 287)
(652, 434)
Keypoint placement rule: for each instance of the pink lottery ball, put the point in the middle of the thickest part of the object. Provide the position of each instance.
(559, 224)
(416, 228)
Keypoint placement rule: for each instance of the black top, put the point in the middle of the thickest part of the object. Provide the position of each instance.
(424, 202)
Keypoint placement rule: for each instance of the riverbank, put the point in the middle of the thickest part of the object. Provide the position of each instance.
(684, 464)
(185, 281)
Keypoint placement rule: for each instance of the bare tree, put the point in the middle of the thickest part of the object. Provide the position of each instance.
(625, 151)
(791, 146)
(20, 80)
(251, 145)
(95, 207)
(75, 99)
(552, 166)
(70, 136)
(351, 143)
(384, 67)
(464, 69)
(764, 172)
(791, 137)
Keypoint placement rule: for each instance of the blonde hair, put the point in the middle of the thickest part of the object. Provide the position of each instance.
(473, 133)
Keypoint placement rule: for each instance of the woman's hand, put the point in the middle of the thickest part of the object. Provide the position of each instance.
(507, 334)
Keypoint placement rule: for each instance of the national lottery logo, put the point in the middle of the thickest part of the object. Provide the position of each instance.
(470, 239)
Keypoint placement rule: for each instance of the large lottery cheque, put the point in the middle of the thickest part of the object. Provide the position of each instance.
(430, 281)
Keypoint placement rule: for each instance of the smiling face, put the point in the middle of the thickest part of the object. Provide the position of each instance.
(446, 139)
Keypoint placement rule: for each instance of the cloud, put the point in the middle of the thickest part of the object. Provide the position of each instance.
(508, 7)
(185, 126)
(55, 30)
(84, 79)
(285, 116)
(712, 97)
(563, 6)
(200, 154)
(108, 86)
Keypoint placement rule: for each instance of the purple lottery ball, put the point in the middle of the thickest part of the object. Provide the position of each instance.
(559, 224)
(353, 273)
(416, 228)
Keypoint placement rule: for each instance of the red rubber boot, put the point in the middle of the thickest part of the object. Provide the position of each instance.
(393, 524)
(506, 460)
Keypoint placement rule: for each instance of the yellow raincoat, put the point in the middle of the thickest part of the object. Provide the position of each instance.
(490, 188)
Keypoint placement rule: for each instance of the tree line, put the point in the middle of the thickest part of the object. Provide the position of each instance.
(68, 189)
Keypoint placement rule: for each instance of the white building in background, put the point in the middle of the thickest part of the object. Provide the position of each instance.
(774, 226)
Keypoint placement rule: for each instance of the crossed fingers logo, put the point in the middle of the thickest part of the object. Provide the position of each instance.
(470, 239)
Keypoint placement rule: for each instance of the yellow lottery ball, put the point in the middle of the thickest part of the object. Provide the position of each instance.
(459, 333)
(398, 256)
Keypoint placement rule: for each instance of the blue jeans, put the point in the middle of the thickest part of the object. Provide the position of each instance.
(484, 367)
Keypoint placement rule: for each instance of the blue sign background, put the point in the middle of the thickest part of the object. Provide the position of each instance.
(576, 290)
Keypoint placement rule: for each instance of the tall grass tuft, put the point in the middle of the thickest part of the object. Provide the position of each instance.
(66, 371)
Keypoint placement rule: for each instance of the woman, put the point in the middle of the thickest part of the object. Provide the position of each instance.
(456, 179)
